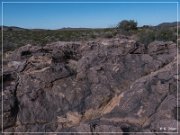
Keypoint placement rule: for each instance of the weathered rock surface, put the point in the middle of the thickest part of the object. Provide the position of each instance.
(109, 85)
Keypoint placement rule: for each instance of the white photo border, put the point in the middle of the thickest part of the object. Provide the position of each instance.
(2, 11)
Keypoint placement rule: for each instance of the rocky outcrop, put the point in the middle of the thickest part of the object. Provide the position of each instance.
(107, 85)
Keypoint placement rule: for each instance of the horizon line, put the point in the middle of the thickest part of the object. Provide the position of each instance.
(87, 27)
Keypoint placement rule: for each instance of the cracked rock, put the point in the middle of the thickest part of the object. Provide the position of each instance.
(109, 85)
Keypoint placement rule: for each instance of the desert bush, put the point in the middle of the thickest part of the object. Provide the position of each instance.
(165, 34)
(146, 36)
(93, 36)
(108, 34)
(149, 35)
(127, 25)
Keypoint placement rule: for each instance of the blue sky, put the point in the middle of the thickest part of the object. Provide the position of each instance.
(53, 16)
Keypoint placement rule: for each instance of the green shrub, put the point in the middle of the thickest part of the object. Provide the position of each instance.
(165, 34)
(108, 34)
(149, 35)
(127, 25)
(146, 36)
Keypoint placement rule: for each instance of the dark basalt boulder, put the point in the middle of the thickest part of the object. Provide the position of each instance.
(108, 85)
